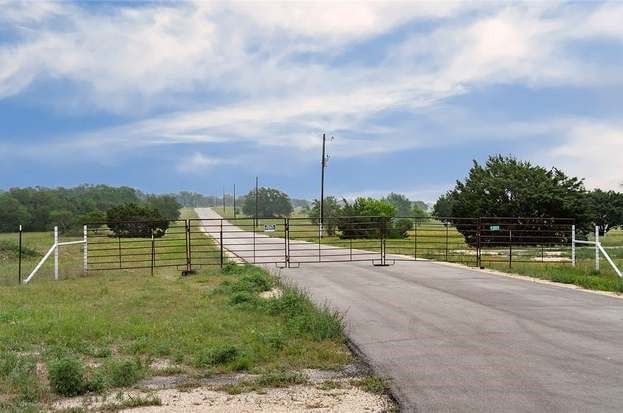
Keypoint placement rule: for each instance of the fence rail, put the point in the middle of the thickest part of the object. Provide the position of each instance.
(193, 243)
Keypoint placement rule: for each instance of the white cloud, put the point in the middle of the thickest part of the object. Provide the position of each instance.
(199, 163)
(592, 150)
(131, 60)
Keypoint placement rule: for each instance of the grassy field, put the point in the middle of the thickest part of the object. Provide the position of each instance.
(109, 329)
(97, 333)
(170, 250)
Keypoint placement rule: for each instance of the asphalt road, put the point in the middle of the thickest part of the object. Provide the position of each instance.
(454, 339)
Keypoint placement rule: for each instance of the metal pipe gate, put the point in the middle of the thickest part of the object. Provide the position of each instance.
(195, 243)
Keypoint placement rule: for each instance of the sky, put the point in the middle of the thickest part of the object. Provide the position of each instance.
(199, 96)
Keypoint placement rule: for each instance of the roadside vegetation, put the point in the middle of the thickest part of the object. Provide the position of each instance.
(99, 333)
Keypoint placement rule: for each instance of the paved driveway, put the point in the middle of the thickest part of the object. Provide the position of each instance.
(459, 340)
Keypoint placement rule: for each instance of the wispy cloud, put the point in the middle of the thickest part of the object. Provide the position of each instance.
(265, 75)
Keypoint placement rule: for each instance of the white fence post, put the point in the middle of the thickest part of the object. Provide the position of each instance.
(573, 245)
(56, 253)
(596, 248)
(85, 264)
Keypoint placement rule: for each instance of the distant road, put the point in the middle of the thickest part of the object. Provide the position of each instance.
(455, 339)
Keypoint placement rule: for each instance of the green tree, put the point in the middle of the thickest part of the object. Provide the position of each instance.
(606, 208)
(167, 205)
(401, 203)
(507, 187)
(443, 206)
(331, 212)
(366, 218)
(135, 221)
(12, 214)
(63, 218)
(272, 203)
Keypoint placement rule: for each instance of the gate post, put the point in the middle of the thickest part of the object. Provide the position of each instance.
(510, 248)
(189, 265)
(447, 225)
(415, 239)
(153, 252)
(478, 245)
(85, 257)
(383, 239)
(573, 245)
(19, 265)
(286, 240)
(596, 248)
(56, 253)
(221, 242)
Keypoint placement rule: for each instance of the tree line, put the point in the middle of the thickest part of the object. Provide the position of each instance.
(40, 208)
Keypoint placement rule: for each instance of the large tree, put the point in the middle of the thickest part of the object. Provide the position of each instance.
(606, 209)
(507, 187)
(136, 221)
(331, 211)
(271, 203)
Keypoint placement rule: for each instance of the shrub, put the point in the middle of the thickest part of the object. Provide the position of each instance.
(242, 297)
(254, 282)
(67, 376)
(281, 379)
(217, 355)
(135, 221)
(400, 228)
(123, 373)
(304, 318)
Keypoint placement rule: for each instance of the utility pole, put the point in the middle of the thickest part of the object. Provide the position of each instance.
(257, 180)
(234, 200)
(224, 211)
(325, 159)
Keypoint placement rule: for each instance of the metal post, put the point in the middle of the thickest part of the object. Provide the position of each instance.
(85, 250)
(153, 252)
(573, 245)
(224, 210)
(221, 240)
(478, 245)
(415, 239)
(510, 248)
(319, 243)
(234, 200)
(56, 253)
(254, 230)
(286, 247)
(119, 247)
(323, 165)
(596, 248)
(382, 241)
(187, 238)
(446, 242)
(257, 180)
(19, 265)
(351, 248)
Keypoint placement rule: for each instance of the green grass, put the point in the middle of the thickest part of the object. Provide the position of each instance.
(100, 332)
(372, 384)
(277, 379)
(583, 275)
(36, 244)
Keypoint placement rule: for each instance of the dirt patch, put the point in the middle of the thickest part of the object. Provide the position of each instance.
(326, 391)
(299, 398)
(274, 293)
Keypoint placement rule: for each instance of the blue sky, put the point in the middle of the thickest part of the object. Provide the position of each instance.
(199, 96)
